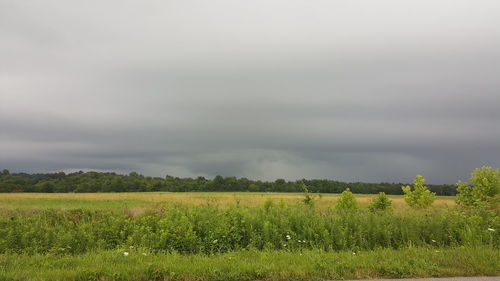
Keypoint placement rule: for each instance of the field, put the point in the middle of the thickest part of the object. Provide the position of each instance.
(140, 201)
(238, 236)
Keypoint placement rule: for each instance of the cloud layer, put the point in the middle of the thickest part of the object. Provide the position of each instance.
(348, 90)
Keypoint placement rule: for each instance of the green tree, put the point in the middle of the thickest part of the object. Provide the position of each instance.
(485, 186)
(420, 196)
(347, 201)
(380, 203)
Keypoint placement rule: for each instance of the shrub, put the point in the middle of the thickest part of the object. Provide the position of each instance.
(347, 201)
(380, 203)
(485, 186)
(420, 196)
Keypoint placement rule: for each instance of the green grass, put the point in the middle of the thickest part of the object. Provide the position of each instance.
(253, 265)
(238, 236)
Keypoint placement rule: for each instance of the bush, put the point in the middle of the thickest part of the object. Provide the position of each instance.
(347, 202)
(211, 230)
(420, 196)
(380, 203)
(485, 186)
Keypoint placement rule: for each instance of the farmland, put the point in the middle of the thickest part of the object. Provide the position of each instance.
(238, 236)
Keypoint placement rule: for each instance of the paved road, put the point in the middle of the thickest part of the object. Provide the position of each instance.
(494, 278)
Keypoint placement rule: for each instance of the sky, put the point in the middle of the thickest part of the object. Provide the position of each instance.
(373, 91)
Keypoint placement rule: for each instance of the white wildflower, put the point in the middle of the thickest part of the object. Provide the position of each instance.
(284, 245)
(125, 254)
(433, 241)
(288, 237)
(490, 229)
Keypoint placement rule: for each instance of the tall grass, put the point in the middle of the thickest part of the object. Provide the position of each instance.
(211, 229)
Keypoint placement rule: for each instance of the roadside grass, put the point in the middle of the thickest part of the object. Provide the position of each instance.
(148, 200)
(253, 265)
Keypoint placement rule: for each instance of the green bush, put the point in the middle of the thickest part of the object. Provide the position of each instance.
(211, 230)
(485, 186)
(420, 196)
(380, 203)
(347, 201)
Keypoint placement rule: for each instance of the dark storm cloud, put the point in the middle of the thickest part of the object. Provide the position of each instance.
(349, 90)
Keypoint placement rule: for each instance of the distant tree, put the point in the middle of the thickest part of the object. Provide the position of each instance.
(380, 203)
(346, 201)
(420, 196)
(485, 186)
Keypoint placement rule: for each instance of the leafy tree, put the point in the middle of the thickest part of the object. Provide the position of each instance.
(420, 196)
(347, 202)
(485, 186)
(308, 198)
(380, 203)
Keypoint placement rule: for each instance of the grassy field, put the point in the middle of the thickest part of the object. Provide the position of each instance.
(140, 201)
(238, 236)
(253, 265)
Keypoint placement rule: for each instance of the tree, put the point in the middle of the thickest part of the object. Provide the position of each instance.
(347, 201)
(380, 203)
(420, 196)
(485, 186)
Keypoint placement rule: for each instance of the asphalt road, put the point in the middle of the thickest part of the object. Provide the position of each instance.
(493, 278)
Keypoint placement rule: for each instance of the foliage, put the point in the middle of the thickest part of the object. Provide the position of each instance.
(485, 186)
(308, 198)
(211, 229)
(420, 196)
(248, 265)
(346, 201)
(134, 182)
(380, 203)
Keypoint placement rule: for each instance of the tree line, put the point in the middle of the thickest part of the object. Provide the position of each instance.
(135, 182)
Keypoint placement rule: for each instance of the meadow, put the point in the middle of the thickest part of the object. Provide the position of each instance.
(141, 201)
(238, 236)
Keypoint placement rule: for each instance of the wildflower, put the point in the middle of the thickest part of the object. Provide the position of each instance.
(353, 253)
(215, 241)
(131, 247)
(490, 229)
(125, 254)
(284, 245)
(288, 237)
(433, 241)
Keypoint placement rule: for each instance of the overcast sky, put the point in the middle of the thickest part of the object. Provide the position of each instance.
(265, 89)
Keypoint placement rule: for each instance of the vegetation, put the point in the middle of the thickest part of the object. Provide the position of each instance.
(419, 196)
(143, 202)
(134, 182)
(485, 186)
(211, 229)
(347, 202)
(252, 265)
(380, 203)
(248, 236)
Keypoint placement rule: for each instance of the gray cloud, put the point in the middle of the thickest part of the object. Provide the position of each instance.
(349, 90)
